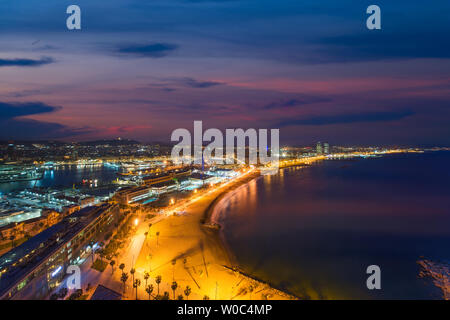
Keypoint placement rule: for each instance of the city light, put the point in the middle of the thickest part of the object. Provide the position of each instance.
(57, 270)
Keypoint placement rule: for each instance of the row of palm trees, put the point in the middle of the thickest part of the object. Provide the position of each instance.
(149, 287)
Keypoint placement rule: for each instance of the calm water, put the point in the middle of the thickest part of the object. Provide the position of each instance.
(65, 176)
(315, 230)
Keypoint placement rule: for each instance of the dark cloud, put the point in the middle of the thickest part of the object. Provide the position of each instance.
(153, 50)
(168, 84)
(13, 110)
(25, 62)
(190, 82)
(12, 126)
(348, 118)
(27, 129)
(296, 102)
(372, 46)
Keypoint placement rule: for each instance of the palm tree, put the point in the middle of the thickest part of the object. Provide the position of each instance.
(250, 289)
(205, 297)
(136, 285)
(157, 238)
(174, 287)
(146, 276)
(112, 263)
(149, 290)
(165, 296)
(133, 271)
(158, 281)
(180, 297)
(187, 292)
(174, 261)
(124, 279)
(122, 266)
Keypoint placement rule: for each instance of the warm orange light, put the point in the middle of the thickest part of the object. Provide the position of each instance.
(136, 221)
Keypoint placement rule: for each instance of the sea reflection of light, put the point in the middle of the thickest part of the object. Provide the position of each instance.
(268, 183)
(281, 176)
(252, 198)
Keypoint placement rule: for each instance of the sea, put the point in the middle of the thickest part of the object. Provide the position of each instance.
(66, 177)
(314, 231)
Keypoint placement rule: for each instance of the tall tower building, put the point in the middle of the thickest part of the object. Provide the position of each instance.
(11, 152)
(326, 148)
(319, 148)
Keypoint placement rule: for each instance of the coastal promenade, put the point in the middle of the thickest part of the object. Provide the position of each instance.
(192, 254)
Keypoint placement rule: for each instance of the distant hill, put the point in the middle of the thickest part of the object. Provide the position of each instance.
(112, 142)
(30, 142)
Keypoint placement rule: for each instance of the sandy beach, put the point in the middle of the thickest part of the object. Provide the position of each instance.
(182, 249)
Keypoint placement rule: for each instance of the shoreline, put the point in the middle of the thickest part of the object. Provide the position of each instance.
(187, 250)
(211, 217)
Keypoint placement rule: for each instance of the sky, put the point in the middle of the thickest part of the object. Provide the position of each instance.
(141, 69)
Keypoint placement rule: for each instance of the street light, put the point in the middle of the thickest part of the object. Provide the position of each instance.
(172, 201)
(136, 221)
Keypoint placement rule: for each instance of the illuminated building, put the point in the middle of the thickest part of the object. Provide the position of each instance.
(319, 149)
(132, 194)
(153, 179)
(326, 148)
(32, 269)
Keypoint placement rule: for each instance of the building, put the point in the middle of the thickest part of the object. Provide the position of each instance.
(104, 293)
(157, 178)
(18, 230)
(67, 210)
(223, 173)
(201, 179)
(319, 149)
(163, 187)
(132, 194)
(33, 269)
(326, 148)
(87, 201)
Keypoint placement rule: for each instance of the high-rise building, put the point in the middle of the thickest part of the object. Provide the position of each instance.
(326, 148)
(11, 152)
(319, 148)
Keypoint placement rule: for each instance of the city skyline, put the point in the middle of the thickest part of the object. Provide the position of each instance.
(143, 70)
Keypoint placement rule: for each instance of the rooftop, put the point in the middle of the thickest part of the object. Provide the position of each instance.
(200, 176)
(104, 293)
(18, 262)
(163, 184)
